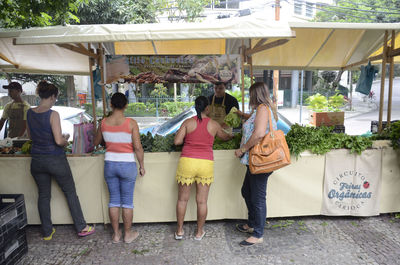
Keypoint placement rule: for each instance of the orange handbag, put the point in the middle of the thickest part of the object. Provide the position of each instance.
(271, 153)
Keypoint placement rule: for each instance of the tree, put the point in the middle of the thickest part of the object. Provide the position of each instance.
(374, 11)
(187, 10)
(118, 11)
(37, 13)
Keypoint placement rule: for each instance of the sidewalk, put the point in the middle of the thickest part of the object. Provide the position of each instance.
(358, 108)
(304, 240)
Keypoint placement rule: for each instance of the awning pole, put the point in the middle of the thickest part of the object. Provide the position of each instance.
(91, 63)
(391, 74)
(100, 52)
(242, 72)
(250, 60)
(383, 75)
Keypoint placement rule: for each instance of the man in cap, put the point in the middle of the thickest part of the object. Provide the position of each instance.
(15, 111)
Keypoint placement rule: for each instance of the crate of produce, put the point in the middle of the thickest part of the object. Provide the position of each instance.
(14, 248)
(12, 215)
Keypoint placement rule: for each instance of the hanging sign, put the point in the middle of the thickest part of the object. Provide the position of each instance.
(352, 183)
(173, 69)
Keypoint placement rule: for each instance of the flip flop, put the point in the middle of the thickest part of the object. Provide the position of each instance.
(178, 237)
(116, 242)
(132, 239)
(90, 231)
(201, 237)
(50, 237)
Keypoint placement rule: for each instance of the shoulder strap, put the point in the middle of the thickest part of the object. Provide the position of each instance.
(271, 128)
(212, 102)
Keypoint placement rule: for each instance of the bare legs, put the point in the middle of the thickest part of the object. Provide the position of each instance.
(127, 216)
(201, 200)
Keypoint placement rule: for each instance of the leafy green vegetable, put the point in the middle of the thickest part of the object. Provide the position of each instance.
(392, 133)
(232, 119)
(320, 140)
(27, 147)
(234, 143)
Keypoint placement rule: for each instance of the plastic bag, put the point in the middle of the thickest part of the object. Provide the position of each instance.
(83, 138)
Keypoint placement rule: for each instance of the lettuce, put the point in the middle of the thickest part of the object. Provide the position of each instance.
(232, 119)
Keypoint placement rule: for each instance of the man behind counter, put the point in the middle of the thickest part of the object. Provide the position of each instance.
(15, 111)
(221, 103)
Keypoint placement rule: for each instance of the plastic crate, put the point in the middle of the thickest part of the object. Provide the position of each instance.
(339, 129)
(12, 215)
(375, 125)
(14, 248)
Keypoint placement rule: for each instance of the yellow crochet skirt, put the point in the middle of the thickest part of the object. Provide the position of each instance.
(195, 169)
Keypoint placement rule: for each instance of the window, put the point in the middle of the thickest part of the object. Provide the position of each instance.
(298, 7)
(224, 4)
(309, 9)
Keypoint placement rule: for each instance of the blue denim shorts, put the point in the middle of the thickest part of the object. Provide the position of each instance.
(120, 178)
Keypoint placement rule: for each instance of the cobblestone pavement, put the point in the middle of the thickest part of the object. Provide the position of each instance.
(303, 240)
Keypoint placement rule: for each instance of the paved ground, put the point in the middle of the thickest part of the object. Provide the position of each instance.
(306, 240)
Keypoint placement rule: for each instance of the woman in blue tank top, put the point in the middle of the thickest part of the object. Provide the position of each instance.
(49, 161)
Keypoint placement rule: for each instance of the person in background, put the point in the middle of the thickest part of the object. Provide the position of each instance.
(15, 111)
(122, 139)
(196, 163)
(49, 161)
(254, 187)
(221, 103)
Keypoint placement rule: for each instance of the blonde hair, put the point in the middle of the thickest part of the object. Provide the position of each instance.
(259, 94)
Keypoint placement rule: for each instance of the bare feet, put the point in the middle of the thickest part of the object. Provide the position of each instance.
(130, 236)
(116, 237)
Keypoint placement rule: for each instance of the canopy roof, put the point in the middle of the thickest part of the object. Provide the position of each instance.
(310, 45)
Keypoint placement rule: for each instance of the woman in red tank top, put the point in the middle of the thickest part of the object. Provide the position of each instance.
(196, 163)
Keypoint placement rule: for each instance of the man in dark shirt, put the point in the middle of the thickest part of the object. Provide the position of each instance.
(219, 101)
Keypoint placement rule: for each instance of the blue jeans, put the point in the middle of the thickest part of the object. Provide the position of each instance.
(43, 169)
(120, 178)
(254, 192)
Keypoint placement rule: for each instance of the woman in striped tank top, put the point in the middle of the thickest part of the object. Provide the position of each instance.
(196, 163)
(122, 139)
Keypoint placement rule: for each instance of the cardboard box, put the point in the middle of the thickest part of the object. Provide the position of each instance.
(327, 118)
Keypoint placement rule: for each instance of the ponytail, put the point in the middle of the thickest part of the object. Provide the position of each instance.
(200, 104)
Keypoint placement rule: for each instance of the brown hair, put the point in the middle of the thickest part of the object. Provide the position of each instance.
(46, 90)
(259, 94)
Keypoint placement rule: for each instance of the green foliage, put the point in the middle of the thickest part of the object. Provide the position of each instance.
(140, 109)
(321, 140)
(319, 103)
(171, 109)
(38, 13)
(27, 147)
(379, 11)
(159, 91)
(163, 143)
(147, 141)
(392, 134)
(232, 119)
(187, 10)
(234, 143)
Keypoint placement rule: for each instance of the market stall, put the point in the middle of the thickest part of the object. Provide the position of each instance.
(294, 190)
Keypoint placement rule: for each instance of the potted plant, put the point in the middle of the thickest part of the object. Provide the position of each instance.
(326, 111)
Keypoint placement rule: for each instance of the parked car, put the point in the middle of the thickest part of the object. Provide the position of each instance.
(68, 116)
(172, 125)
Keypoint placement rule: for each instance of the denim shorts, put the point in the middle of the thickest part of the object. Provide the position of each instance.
(120, 178)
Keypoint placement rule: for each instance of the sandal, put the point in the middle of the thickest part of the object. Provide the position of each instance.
(201, 237)
(178, 237)
(240, 227)
(87, 232)
(50, 237)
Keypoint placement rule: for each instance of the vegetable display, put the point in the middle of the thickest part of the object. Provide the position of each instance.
(320, 140)
(232, 119)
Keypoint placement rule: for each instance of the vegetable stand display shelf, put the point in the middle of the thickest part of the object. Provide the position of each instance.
(295, 190)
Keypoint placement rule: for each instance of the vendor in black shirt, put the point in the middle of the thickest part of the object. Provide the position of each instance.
(221, 103)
